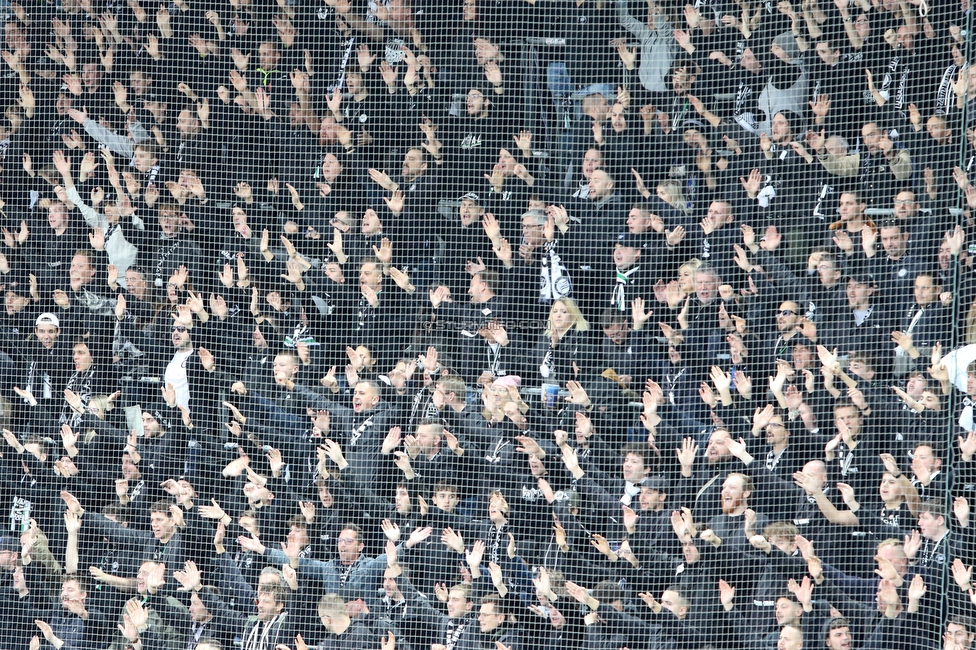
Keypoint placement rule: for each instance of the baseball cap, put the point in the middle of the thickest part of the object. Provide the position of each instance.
(861, 277)
(654, 483)
(471, 196)
(47, 318)
(630, 240)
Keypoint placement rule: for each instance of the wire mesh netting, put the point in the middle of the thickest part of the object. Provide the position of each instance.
(487, 324)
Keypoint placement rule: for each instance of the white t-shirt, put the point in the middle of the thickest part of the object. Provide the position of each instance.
(176, 375)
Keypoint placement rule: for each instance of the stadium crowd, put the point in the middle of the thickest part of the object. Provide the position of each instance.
(521, 324)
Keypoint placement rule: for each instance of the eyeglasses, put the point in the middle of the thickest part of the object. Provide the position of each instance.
(787, 312)
(904, 202)
(179, 328)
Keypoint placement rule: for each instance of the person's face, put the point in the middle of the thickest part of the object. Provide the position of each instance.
(850, 208)
(488, 618)
(150, 425)
(506, 161)
(20, 583)
(198, 611)
(185, 123)
(331, 167)
(413, 165)
(828, 273)
(787, 316)
(15, 303)
(285, 368)
(706, 287)
(81, 271)
(457, 604)
(249, 524)
(533, 233)
(776, 433)
(895, 242)
(863, 26)
(859, 295)
(180, 336)
(475, 102)
(592, 161)
(750, 62)
(786, 611)
(925, 459)
(734, 494)
(930, 401)
(633, 468)
(936, 128)
(889, 490)
(71, 592)
(327, 131)
(269, 56)
(371, 224)
(896, 556)
(600, 185)
(239, 219)
(91, 74)
(926, 291)
(57, 216)
(905, 38)
(267, 607)
(130, 471)
(15, 36)
(497, 507)
(781, 129)
(364, 397)
(298, 535)
(162, 525)
(871, 135)
(136, 284)
(737, 349)
(931, 526)
(686, 279)
(470, 212)
(638, 221)
(139, 82)
(839, 639)
(478, 290)
(625, 257)
(905, 206)
(718, 448)
(470, 11)
(169, 223)
(81, 356)
(826, 54)
(915, 385)
(617, 332)
(682, 81)
(617, 119)
(536, 467)
(789, 639)
(143, 160)
(651, 499)
(370, 275)
(560, 317)
(446, 500)
(958, 633)
(47, 335)
(402, 501)
(427, 438)
(850, 416)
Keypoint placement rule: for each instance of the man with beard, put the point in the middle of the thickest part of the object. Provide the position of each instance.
(731, 532)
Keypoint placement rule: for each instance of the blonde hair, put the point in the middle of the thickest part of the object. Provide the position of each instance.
(579, 323)
(675, 195)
